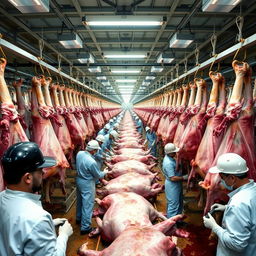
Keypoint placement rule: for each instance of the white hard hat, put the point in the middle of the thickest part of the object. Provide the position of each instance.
(114, 118)
(116, 125)
(170, 148)
(230, 163)
(92, 145)
(147, 128)
(111, 121)
(114, 134)
(107, 127)
(100, 138)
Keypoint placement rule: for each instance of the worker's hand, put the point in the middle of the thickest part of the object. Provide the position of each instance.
(105, 170)
(108, 158)
(185, 177)
(58, 221)
(66, 229)
(209, 221)
(218, 207)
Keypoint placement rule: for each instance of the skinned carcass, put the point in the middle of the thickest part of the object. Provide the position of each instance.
(129, 144)
(124, 157)
(11, 130)
(146, 241)
(121, 168)
(137, 151)
(122, 210)
(132, 182)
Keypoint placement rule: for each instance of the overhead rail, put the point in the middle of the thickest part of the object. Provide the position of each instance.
(26, 55)
(218, 57)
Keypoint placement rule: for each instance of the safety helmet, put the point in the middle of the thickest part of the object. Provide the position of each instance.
(107, 127)
(114, 118)
(170, 148)
(92, 145)
(100, 138)
(114, 134)
(116, 125)
(147, 128)
(111, 121)
(230, 163)
(25, 157)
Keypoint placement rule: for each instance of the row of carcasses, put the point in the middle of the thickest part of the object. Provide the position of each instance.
(58, 119)
(205, 128)
(127, 215)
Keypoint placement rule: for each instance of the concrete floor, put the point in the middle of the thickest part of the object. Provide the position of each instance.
(198, 244)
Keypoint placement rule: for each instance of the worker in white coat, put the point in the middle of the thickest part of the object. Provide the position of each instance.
(151, 138)
(87, 173)
(237, 235)
(173, 181)
(104, 130)
(26, 228)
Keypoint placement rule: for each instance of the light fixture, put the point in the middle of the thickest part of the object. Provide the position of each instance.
(145, 83)
(31, 6)
(156, 69)
(101, 78)
(126, 80)
(165, 58)
(70, 40)
(150, 77)
(85, 58)
(94, 69)
(219, 5)
(181, 40)
(125, 56)
(125, 71)
(125, 86)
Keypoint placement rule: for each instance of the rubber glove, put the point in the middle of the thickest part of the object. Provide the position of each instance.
(66, 229)
(58, 221)
(105, 170)
(185, 177)
(218, 207)
(209, 221)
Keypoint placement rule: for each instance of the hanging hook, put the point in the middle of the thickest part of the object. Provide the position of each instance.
(1, 49)
(239, 24)
(213, 42)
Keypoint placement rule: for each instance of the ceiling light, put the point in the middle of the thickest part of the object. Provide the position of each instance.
(165, 58)
(125, 86)
(180, 40)
(219, 5)
(125, 56)
(150, 77)
(85, 58)
(70, 40)
(31, 6)
(94, 69)
(156, 69)
(101, 78)
(145, 83)
(125, 71)
(126, 80)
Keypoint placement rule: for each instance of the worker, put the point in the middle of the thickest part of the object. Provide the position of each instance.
(151, 139)
(109, 140)
(26, 228)
(237, 235)
(99, 155)
(116, 126)
(173, 181)
(104, 130)
(87, 173)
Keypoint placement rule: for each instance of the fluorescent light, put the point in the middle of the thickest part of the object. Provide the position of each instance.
(125, 71)
(124, 23)
(150, 77)
(180, 40)
(94, 69)
(156, 69)
(219, 5)
(126, 80)
(145, 83)
(31, 6)
(85, 58)
(101, 78)
(125, 86)
(125, 56)
(165, 58)
(70, 40)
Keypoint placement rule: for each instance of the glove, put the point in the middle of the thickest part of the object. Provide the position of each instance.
(58, 221)
(185, 177)
(218, 207)
(209, 221)
(105, 170)
(66, 229)
(108, 158)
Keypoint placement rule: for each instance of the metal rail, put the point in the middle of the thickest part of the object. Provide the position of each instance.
(26, 55)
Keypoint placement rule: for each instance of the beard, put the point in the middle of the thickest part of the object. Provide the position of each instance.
(37, 186)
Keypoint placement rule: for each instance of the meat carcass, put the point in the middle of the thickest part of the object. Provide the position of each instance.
(132, 182)
(209, 145)
(122, 210)
(128, 144)
(123, 167)
(137, 151)
(11, 130)
(193, 133)
(186, 115)
(146, 241)
(124, 157)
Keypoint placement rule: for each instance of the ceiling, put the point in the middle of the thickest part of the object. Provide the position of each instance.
(66, 16)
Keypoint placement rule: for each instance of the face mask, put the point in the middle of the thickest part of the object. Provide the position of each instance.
(230, 188)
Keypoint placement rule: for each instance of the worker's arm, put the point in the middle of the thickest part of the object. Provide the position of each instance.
(238, 227)
(176, 178)
(96, 172)
(42, 240)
